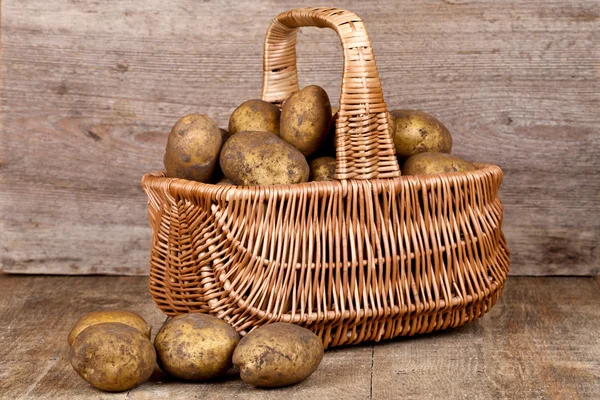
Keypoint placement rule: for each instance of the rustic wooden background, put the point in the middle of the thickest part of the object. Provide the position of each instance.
(90, 89)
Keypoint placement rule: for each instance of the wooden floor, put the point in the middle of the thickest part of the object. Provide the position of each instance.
(542, 340)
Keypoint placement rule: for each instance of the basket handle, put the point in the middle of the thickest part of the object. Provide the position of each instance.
(364, 148)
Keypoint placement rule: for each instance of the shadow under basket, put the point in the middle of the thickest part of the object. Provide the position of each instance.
(368, 256)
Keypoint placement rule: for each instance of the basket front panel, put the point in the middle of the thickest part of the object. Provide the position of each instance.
(365, 260)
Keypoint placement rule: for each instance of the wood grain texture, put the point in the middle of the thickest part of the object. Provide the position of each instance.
(36, 315)
(342, 374)
(90, 90)
(540, 341)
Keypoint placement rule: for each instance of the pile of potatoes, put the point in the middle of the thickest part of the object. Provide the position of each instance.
(112, 350)
(268, 146)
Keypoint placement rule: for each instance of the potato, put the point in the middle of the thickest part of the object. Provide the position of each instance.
(193, 148)
(306, 119)
(98, 317)
(255, 115)
(322, 169)
(195, 346)
(435, 163)
(261, 158)
(278, 354)
(418, 132)
(112, 356)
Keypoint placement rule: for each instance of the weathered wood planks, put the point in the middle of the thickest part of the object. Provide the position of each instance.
(90, 89)
(540, 341)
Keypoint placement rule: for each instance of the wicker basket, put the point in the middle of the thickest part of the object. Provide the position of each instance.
(368, 256)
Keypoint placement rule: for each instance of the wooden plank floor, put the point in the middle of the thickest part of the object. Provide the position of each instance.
(542, 340)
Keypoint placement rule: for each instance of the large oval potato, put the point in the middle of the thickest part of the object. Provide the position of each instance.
(261, 158)
(418, 132)
(278, 354)
(112, 356)
(435, 163)
(255, 115)
(195, 346)
(193, 148)
(306, 119)
(98, 317)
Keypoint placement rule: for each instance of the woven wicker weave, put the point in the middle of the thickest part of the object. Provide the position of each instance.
(368, 256)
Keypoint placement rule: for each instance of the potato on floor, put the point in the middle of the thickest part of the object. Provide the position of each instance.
(278, 354)
(112, 356)
(195, 346)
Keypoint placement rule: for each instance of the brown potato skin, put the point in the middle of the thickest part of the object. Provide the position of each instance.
(306, 119)
(98, 317)
(435, 163)
(418, 132)
(322, 169)
(261, 158)
(193, 148)
(277, 355)
(113, 357)
(195, 346)
(255, 115)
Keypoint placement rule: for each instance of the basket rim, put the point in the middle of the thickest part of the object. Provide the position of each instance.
(159, 180)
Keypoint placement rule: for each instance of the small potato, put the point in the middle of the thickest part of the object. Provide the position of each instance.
(322, 169)
(193, 148)
(306, 119)
(418, 132)
(112, 356)
(435, 163)
(255, 115)
(261, 158)
(98, 317)
(195, 346)
(278, 354)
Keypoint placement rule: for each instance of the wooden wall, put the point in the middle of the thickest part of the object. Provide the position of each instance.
(90, 89)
